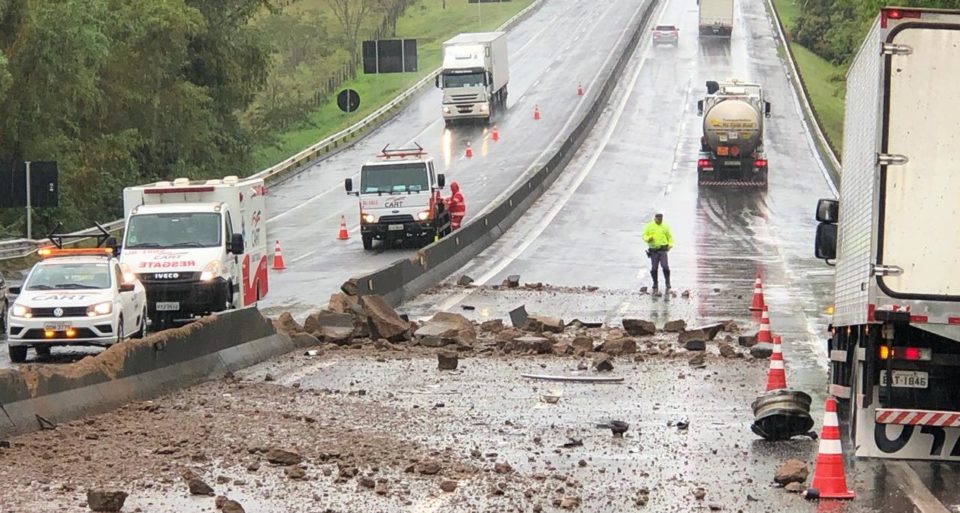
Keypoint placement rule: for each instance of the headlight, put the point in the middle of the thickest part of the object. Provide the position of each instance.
(446, 110)
(484, 107)
(423, 216)
(22, 311)
(368, 218)
(211, 271)
(128, 275)
(100, 309)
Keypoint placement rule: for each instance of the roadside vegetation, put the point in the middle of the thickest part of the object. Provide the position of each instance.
(824, 35)
(123, 92)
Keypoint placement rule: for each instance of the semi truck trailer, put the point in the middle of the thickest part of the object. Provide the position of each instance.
(716, 18)
(893, 236)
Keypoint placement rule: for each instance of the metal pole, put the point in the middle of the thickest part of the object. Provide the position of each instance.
(29, 218)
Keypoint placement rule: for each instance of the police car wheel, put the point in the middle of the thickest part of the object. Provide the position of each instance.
(18, 354)
(3, 318)
(119, 330)
(142, 332)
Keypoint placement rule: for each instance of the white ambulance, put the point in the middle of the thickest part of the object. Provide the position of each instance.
(198, 247)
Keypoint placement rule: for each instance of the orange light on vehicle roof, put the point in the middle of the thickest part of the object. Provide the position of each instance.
(54, 252)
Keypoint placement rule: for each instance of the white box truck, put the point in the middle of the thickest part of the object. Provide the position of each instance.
(198, 247)
(894, 236)
(474, 76)
(716, 17)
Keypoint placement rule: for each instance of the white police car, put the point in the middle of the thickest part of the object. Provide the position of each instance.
(75, 297)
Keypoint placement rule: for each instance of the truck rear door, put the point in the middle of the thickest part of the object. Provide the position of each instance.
(920, 199)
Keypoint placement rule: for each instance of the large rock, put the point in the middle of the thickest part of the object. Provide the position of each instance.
(282, 457)
(544, 324)
(342, 303)
(562, 348)
(383, 320)
(507, 335)
(639, 327)
(792, 471)
(330, 326)
(686, 336)
(619, 347)
(710, 330)
(727, 350)
(763, 350)
(730, 326)
(447, 360)
(677, 326)
(103, 500)
(287, 324)
(695, 344)
(582, 345)
(350, 287)
(196, 485)
(527, 345)
(445, 329)
(492, 326)
(230, 506)
(302, 340)
(747, 340)
(603, 362)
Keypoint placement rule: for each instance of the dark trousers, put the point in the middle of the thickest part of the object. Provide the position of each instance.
(659, 258)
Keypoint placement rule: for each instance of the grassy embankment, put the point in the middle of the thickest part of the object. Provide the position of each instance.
(820, 78)
(430, 24)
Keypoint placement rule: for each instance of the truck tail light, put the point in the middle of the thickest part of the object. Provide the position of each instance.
(760, 163)
(896, 14)
(912, 354)
(703, 163)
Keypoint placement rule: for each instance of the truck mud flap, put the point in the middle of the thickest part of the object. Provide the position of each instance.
(731, 183)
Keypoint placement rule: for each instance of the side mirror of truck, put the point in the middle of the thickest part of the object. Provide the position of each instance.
(712, 86)
(441, 180)
(436, 81)
(13, 291)
(127, 287)
(766, 109)
(700, 108)
(236, 244)
(348, 185)
(828, 211)
(826, 244)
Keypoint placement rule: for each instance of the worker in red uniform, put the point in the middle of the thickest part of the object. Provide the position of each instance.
(456, 206)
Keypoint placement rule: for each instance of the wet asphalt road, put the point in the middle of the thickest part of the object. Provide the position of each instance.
(563, 43)
(586, 230)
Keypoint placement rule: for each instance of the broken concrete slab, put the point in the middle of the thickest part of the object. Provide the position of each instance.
(350, 287)
(512, 281)
(519, 317)
(383, 320)
(747, 340)
(447, 328)
(639, 327)
(603, 362)
(528, 344)
(762, 350)
(582, 344)
(342, 303)
(619, 347)
(286, 324)
(447, 360)
(464, 280)
(330, 326)
(544, 324)
(710, 330)
(492, 326)
(676, 326)
(562, 348)
(103, 500)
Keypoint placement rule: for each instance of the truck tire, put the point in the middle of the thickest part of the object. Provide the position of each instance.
(18, 354)
(43, 350)
(367, 241)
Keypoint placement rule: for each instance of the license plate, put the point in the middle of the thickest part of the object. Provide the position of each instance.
(906, 379)
(56, 326)
(168, 306)
(395, 227)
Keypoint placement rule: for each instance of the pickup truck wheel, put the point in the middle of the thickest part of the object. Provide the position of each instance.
(367, 242)
(142, 331)
(3, 316)
(120, 337)
(42, 350)
(18, 354)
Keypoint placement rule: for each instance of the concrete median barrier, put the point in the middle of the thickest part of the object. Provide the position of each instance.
(137, 370)
(407, 278)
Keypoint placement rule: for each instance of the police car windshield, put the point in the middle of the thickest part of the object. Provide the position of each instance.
(61, 276)
(394, 178)
(179, 230)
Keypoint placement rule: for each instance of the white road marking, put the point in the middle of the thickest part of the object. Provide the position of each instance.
(301, 257)
(914, 488)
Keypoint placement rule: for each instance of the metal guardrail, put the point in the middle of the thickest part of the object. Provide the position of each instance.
(796, 80)
(19, 248)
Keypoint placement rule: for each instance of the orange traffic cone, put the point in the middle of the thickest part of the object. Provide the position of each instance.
(580, 89)
(343, 235)
(469, 150)
(495, 134)
(757, 303)
(278, 258)
(764, 334)
(829, 481)
(776, 376)
(536, 113)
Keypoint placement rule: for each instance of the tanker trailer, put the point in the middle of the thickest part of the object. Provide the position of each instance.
(731, 147)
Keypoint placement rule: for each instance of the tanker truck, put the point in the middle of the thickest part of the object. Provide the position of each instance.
(731, 147)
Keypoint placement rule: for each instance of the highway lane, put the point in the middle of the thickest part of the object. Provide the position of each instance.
(641, 158)
(564, 43)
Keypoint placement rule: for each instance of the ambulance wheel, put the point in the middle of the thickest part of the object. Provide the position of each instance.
(18, 354)
(367, 241)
